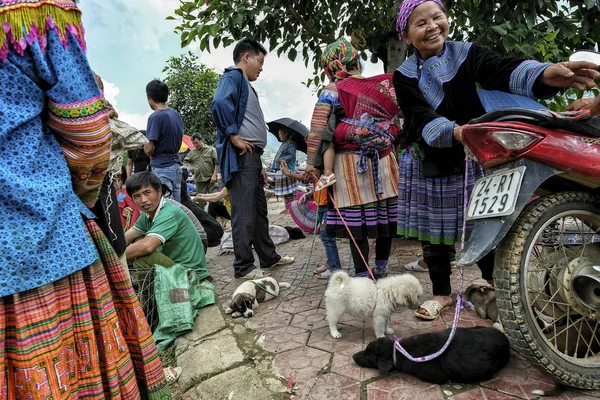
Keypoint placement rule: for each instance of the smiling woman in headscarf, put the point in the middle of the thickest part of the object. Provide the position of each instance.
(365, 165)
(437, 91)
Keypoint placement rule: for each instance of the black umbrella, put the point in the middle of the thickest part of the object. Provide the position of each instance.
(296, 129)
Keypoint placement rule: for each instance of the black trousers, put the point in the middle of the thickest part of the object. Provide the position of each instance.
(383, 246)
(249, 221)
(217, 209)
(438, 258)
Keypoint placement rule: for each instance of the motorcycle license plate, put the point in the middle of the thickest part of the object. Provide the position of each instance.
(496, 195)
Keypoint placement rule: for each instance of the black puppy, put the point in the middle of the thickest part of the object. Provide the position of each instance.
(475, 355)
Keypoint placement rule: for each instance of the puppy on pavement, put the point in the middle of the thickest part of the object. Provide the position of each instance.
(363, 297)
(246, 297)
(474, 355)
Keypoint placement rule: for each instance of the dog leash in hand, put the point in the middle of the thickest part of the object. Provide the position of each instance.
(459, 300)
(351, 236)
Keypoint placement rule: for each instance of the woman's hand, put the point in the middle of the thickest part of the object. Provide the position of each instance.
(586, 104)
(576, 74)
(284, 168)
(126, 212)
(457, 134)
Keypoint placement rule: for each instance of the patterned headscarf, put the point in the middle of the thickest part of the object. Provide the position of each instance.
(335, 56)
(406, 9)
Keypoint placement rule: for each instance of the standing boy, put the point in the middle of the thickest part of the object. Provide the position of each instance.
(164, 133)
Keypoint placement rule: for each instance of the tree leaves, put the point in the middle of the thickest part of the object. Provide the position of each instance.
(547, 30)
(192, 86)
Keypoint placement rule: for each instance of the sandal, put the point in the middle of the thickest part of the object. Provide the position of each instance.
(284, 261)
(415, 266)
(321, 269)
(433, 308)
(325, 274)
(325, 181)
(172, 374)
(256, 273)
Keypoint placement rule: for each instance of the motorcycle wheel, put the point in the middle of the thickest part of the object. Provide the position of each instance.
(534, 265)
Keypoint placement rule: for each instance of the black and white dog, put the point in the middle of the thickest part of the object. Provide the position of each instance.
(474, 355)
(246, 297)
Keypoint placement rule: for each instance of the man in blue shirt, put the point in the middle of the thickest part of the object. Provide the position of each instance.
(241, 139)
(164, 133)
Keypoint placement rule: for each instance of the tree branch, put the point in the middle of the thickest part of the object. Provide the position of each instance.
(290, 10)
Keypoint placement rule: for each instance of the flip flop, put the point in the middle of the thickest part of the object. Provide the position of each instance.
(172, 374)
(432, 307)
(414, 266)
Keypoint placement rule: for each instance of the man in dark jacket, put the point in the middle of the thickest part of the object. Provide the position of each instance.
(241, 139)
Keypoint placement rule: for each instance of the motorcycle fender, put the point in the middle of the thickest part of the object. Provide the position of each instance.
(487, 233)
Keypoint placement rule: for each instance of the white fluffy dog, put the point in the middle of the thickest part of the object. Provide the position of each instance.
(362, 297)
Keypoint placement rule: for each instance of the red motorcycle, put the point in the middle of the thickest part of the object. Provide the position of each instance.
(539, 207)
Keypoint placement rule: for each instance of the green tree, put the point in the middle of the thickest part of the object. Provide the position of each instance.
(547, 30)
(192, 86)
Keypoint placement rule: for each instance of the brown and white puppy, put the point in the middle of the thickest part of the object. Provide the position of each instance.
(483, 299)
(246, 297)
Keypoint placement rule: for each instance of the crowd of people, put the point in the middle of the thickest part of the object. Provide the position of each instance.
(385, 159)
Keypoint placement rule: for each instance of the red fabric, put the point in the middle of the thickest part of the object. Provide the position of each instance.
(126, 201)
(374, 96)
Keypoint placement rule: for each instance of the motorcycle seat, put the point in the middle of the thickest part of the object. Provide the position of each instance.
(579, 122)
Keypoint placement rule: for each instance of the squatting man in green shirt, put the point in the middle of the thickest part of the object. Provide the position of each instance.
(166, 235)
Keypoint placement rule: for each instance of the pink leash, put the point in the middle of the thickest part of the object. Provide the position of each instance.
(459, 300)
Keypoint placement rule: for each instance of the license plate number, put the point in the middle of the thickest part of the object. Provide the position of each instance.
(496, 195)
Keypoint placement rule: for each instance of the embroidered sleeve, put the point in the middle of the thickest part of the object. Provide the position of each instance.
(438, 133)
(524, 77)
(509, 74)
(318, 123)
(420, 118)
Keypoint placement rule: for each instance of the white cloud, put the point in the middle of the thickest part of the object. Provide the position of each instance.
(138, 121)
(111, 91)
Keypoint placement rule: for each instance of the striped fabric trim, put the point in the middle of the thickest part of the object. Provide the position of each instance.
(319, 119)
(354, 189)
(524, 76)
(439, 132)
(85, 137)
(445, 66)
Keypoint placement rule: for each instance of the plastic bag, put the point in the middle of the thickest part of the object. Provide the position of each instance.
(124, 137)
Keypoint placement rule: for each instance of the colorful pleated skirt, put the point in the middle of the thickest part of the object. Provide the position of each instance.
(284, 185)
(431, 209)
(304, 215)
(366, 214)
(83, 336)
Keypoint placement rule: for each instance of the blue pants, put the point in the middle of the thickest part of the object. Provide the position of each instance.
(171, 177)
(331, 251)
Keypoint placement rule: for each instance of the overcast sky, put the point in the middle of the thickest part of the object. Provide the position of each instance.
(129, 42)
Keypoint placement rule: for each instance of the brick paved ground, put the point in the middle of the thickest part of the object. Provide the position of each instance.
(295, 331)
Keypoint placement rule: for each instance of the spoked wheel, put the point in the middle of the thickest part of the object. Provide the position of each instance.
(555, 241)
